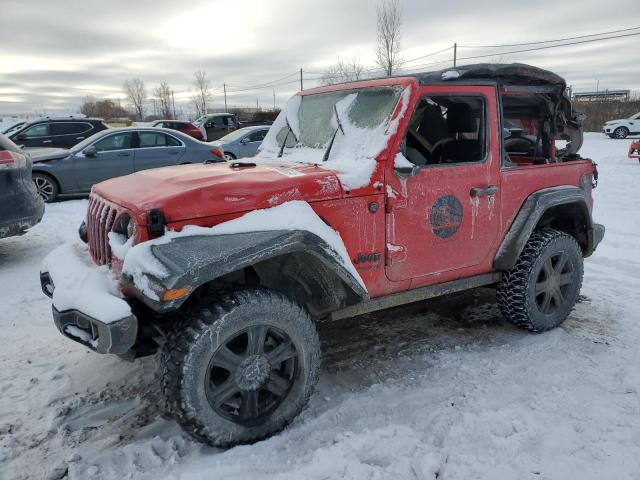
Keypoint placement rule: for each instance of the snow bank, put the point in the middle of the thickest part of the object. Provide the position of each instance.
(82, 286)
(353, 154)
(293, 215)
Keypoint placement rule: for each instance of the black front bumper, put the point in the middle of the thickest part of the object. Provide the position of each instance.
(116, 337)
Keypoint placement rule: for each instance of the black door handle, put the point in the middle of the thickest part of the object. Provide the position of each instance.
(483, 192)
(124, 154)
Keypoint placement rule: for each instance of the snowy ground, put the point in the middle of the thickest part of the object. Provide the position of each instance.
(442, 389)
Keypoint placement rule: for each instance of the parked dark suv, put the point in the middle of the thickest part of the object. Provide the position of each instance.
(217, 125)
(56, 132)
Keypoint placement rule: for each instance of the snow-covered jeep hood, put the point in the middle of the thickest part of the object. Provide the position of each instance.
(186, 192)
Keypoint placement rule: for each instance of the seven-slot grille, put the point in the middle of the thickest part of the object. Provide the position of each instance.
(100, 219)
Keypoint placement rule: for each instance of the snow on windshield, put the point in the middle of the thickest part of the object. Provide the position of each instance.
(365, 117)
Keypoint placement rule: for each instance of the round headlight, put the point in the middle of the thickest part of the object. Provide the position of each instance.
(131, 228)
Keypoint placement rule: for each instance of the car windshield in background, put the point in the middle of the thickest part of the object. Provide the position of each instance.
(370, 108)
(233, 136)
(14, 128)
(78, 147)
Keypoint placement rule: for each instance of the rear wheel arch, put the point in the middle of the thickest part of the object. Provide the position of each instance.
(562, 208)
(572, 218)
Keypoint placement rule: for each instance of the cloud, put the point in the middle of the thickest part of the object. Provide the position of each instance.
(55, 53)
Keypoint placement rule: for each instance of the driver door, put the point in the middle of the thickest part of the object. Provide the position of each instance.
(114, 158)
(444, 211)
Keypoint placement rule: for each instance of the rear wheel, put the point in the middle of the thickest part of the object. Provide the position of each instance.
(621, 132)
(46, 186)
(241, 368)
(541, 289)
(229, 157)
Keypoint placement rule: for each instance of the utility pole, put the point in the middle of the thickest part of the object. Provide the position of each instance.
(455, 54)
(274, 99)
(224, 87)
(301, 86)
(257, 107)
(173, 101)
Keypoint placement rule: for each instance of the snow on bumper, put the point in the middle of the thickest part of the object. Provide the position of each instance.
(87, 306)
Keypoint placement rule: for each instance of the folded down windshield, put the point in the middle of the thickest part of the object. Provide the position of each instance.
(314, 123)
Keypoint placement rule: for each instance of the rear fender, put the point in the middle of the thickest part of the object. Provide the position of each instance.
(297, 262)
(565, 208)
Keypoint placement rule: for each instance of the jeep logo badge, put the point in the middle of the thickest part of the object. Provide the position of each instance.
(446, 216)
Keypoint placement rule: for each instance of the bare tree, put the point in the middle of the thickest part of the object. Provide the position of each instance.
(136, 93)
(163, 94)
(202, 95)
(348, 70)
(388, 43)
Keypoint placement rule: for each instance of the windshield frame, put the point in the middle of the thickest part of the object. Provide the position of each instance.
(343, 93)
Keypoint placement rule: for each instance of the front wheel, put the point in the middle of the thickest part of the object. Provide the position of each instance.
(241, 368)
(46, 186)
(620, 132)
(229, 157)
(541, 289)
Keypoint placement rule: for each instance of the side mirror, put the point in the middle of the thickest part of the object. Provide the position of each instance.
(90, 151)
(21, 137)
(407, 171)
(245, 140)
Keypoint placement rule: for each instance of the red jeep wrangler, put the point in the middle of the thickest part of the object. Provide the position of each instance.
(364, 196)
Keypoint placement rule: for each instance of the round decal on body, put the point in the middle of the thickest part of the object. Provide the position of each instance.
(446, 216)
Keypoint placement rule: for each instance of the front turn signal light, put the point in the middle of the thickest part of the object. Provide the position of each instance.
(175, 294)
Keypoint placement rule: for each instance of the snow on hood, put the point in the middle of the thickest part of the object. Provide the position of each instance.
(80, 285)
(295, 215)
(353, 155)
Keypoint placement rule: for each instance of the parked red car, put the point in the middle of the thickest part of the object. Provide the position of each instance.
(184, 127)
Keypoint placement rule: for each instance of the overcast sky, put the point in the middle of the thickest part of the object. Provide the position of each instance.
(53, 53)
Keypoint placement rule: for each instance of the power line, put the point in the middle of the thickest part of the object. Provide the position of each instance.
(548, 41)
(548, 46)
(261, 85)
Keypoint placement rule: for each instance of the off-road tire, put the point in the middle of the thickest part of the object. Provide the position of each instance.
(516, 292)
(187, 357)
(620, 133)
(47, 187)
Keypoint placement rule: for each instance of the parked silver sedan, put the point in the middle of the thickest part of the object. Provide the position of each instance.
(242, 143)
(112, 153)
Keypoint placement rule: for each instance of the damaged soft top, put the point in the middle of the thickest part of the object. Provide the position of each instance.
(520, 79)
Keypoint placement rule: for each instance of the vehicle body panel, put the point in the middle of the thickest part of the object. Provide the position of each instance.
(196, 194)
(20, 206)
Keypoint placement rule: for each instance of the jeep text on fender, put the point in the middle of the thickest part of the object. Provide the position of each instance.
(363, 196)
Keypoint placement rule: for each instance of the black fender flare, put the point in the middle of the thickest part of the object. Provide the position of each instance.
(530, 214)
(196, 260)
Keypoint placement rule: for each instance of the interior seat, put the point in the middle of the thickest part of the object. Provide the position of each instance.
(460, 120)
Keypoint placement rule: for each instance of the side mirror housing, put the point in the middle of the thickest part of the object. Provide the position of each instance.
(245, 140)
(21, 137)
(90, 151)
